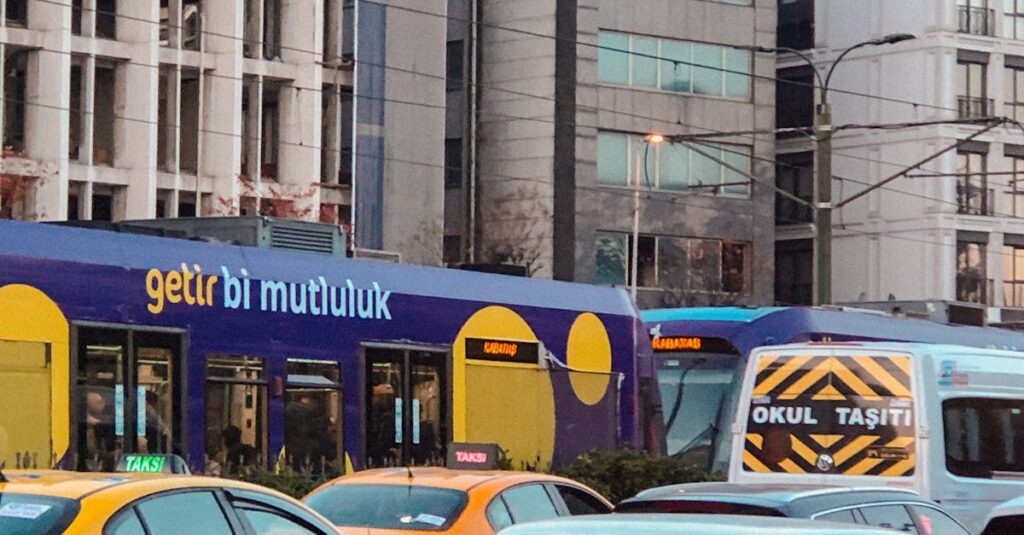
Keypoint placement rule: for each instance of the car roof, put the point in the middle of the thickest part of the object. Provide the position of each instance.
(443, 478)
(643, 524)
(769, 495)
(78, 485)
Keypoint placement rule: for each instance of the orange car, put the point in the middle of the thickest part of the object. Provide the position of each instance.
(403, 501)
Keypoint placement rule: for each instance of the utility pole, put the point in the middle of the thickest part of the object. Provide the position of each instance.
(823, 201)
(823, 162)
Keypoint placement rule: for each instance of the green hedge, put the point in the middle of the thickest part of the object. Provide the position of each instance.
(620, 474)
(291, 482)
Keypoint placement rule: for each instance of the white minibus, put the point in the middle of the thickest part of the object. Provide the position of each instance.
(946, 421)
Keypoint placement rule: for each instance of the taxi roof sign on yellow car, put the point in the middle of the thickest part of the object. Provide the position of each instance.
(161, 463)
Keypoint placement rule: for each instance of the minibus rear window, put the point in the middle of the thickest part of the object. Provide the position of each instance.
(983, 435)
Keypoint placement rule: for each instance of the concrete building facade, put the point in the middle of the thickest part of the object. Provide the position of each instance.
(563, 94)
(953, 230)
(131, 109)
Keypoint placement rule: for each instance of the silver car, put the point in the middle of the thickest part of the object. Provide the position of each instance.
(696, 524)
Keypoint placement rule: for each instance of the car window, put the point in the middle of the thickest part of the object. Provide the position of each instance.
(695, 506)
(389, 506)
(889, 516)
(184, 513)
(935, 522)
(845, 516)
(274, 505)
(126, 523)
(29, 514)
(529, 503)
(498, 515)
(1005, 525)
(266, 522)
(581, 502)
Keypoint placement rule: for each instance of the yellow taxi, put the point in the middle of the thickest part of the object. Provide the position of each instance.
(38, 502)
(407, 501)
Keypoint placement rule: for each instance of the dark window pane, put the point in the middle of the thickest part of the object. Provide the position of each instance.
(672, 265)
(889, 516)
(453, 163)
(1005, 525)
(581, 502)
(389, 506)
(983, 435)
(610, 259)
(695, 507)
(734, 267)
(454, 67)
(127, 523)
(235, 413)
(646, 270)
(184, 513)
(529, 503)
(498, 515)
(54, 514)
(312, 417)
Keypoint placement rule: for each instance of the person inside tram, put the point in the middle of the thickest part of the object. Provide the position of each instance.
(98, 433)
(235, 454)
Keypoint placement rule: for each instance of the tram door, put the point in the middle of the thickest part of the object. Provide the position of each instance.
(128, 399)
(25, 401)
(408, 412)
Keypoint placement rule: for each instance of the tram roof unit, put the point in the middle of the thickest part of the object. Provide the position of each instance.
(106, 248)
(747, 328)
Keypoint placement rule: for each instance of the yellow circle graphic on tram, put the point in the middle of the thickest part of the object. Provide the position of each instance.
(589, 350)
(511, 404)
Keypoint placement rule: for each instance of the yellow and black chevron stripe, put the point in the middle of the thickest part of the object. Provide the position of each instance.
(829, 378)
(825, 383)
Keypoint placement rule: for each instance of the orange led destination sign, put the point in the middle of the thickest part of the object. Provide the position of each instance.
(502, 350)
(694, 344)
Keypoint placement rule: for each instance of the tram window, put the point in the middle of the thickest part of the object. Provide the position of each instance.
(158, 403)
(312, 417)
(101, 397)
(236, 413)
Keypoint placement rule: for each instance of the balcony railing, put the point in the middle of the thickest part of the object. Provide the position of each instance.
(970, 107)
(977, 20)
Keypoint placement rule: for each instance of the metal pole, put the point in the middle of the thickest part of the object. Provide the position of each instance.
(636, 226)
(823, 201)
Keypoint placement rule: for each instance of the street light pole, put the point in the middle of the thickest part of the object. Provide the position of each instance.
(653, 138)
(823, 164)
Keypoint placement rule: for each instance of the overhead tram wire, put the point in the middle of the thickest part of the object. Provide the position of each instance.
(532, 34)
(601, 189)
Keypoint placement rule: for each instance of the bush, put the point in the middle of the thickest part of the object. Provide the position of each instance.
(289, 481)
(620, 474)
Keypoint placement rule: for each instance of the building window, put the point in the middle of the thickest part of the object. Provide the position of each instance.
(973, 194)
(794, 272)
(106, 19)
(455, 63)
(716, 170)
(794, 173)
(1014, 92)
(313, 417)
(181, 29)
(671, 263)
(104, 102)
(17, 12)
(178, 120)
(972, 91)
(975, 17)
(794, 90)
(1013, 21)
(262, 29)
(693, 68)
(1016, 187)
(1013, 275)
(971, 273)
(453, 163)
(15, 84)
(796, 24)
(236, 413)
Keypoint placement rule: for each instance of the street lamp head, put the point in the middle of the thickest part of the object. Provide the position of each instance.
(893, 38)
(654, 138)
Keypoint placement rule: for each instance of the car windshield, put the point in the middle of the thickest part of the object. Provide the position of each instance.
(695, 506)
(26, 514)
(389, 506)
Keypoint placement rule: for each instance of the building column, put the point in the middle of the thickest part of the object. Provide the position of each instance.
(300, 108)
(47, 98)
(135, 133)
(221, 136)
